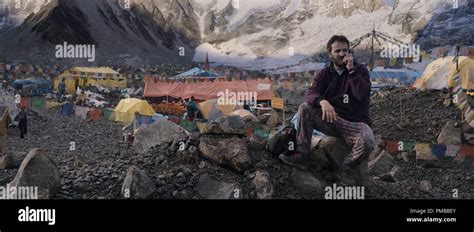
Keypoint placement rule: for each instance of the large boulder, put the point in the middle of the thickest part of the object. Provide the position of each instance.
(210, 188)
(227, 151)
(263, 185)
(450, 135)
(137, 185)
(306, 181)
(332, 151)
(274, 119)
(381, 164)
(233, 125)
(158, 133)
(38, 170)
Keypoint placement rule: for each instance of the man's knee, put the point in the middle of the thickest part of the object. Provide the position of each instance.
(368, 143)
(305, 106)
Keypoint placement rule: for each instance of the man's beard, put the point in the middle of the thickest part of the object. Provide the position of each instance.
(338, 62)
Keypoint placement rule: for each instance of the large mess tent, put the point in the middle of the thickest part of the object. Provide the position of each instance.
(445, 73)
(125, 110)
(205, 90)
(85, 76)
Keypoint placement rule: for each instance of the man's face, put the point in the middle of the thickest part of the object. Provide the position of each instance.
(338, 51)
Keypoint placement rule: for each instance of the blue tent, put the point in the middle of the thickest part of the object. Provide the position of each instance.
(403, 77)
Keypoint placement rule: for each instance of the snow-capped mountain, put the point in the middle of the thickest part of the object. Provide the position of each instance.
(248, 33)
(265, 33)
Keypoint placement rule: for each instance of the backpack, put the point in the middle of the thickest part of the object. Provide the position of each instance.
(283, 142)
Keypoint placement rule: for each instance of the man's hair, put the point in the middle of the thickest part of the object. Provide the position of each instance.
(337, 38)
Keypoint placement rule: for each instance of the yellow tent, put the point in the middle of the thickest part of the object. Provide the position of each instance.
(465, 73)
(442, 73)
(125, 110)
(207, 106)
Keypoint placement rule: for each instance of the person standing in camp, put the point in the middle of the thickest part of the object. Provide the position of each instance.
(81, 100)
(137, 123)
(22, 120)
(62, 89)
(191, 108)
(337, 104)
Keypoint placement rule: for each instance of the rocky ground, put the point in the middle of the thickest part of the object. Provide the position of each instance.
(423, 114)
(97, 167)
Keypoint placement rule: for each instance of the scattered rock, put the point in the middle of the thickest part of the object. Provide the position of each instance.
(213, 189)
(137, 185)
(450, 135)
(38, 170)
(408, 156)
(202, 164)
(263, 185)
(263, 118)
(193, 150)
(307, 181)
(158, 133)
(257, 143)
(273, 120)
(230, 152)
(231, 125)
(387, 177)
(381, 165)
(425, 186)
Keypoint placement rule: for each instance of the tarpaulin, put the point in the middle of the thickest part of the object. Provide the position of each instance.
(466, 150)
(452, 150)
(52, 104)
(438, 150)
(406, 145)
(262, 133)
(188, 126)
(67, 109)
(392, 147)
(38, 103)
(25, 102)
(207, 89)
(81, 112)
(108, 114)
(94, 114)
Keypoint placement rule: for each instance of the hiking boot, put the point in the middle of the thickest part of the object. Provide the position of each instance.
(297, 160)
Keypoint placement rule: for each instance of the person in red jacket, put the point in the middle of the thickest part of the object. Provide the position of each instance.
(337, 104)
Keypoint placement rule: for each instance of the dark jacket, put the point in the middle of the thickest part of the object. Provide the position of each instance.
(355, 105)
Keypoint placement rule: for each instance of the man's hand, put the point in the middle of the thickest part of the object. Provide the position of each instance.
(329, 114)
(349, 61)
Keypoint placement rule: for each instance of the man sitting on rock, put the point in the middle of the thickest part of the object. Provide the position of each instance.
(337, 104)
